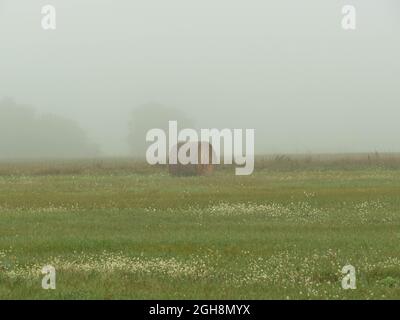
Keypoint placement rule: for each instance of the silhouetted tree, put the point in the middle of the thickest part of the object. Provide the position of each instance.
(24, 134)
(150, 116)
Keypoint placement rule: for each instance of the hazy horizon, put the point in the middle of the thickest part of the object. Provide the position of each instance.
(284, 68)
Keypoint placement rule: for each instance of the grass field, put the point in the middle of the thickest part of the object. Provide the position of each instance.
(120, 229)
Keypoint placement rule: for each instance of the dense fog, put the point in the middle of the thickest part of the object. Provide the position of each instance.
(114, 69)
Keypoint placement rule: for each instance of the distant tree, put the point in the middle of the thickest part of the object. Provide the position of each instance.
(25, 134)
(150, 116)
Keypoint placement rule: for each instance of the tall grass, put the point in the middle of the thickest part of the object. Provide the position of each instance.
(134, 165)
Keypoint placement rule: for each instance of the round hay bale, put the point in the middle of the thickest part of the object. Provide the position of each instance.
(204, 155)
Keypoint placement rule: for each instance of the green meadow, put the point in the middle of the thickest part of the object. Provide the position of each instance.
(119, 229)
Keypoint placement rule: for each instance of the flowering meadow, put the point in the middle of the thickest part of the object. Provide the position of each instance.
(114, 230)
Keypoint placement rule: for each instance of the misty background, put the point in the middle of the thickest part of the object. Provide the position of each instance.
(114, 68)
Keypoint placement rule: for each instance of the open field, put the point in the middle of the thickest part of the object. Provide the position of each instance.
(120, 229)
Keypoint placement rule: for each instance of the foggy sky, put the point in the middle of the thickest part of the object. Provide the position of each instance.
(285, 68)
